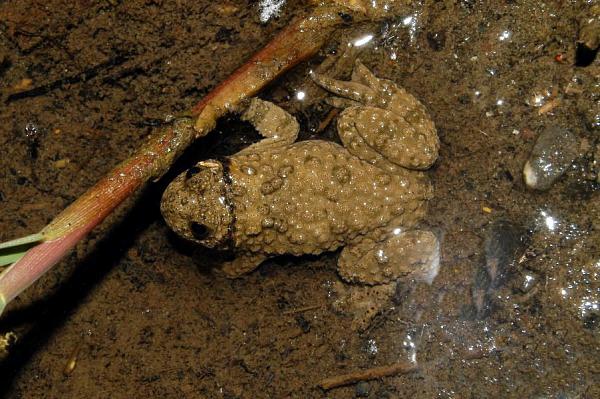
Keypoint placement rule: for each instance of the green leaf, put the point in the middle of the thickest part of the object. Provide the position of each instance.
(13, 250)
(8, 258)
(22, 241)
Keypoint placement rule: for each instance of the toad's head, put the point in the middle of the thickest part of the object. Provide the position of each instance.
(196, 205)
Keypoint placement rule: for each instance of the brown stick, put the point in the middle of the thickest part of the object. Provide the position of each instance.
(328, 118)
(369, 374)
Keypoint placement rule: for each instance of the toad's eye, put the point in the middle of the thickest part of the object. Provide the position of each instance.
(192, 171)
(199, 231)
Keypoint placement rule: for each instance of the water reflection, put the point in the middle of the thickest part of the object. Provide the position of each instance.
(269, 9)
(363, 40)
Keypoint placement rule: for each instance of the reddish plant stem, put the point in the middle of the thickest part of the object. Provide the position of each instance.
(294, 44)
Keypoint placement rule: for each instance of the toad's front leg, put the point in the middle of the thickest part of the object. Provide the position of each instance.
(382, 123)
(242, 264)
(276, 125)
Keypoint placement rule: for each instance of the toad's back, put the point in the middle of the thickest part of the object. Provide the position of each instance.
(314, 196)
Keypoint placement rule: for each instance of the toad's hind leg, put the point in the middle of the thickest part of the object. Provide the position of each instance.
(414, 254)
(378, 266)
(275, 124)
(382, 123)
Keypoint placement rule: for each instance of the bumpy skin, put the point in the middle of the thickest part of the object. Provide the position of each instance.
(280, 197)
(315, 196)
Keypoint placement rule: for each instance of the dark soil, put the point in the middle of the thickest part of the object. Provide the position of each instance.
(138, 313)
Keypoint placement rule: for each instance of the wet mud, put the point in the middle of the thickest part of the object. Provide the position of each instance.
(134, 311)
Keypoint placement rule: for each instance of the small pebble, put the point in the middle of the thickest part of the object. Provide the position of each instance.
(227, 9)
(527, 281)
(554, 151)
(24, 84)
(61, 163)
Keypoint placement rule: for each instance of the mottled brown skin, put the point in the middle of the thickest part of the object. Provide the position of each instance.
(315, 196)
(280, 197)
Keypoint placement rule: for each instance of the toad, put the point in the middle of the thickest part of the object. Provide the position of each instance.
(279, 196)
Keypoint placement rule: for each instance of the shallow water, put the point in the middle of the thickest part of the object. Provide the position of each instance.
(134, 311)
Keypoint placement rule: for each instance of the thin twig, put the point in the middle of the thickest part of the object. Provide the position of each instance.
(369, 374)
(302, 310)
(328, 118)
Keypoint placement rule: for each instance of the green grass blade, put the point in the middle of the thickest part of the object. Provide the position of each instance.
(13, 250)
(22, 241)
(8, 258)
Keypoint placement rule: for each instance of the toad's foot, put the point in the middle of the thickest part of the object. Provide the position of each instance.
(382, 123)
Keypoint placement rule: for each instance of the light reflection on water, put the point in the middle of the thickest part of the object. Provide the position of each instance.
(270, 9)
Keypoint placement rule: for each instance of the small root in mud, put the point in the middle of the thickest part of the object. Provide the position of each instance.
(365, 375)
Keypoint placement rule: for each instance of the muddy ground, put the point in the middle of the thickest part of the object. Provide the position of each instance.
(135, 312)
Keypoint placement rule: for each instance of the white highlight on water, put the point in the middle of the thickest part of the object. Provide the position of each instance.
(269, 9)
